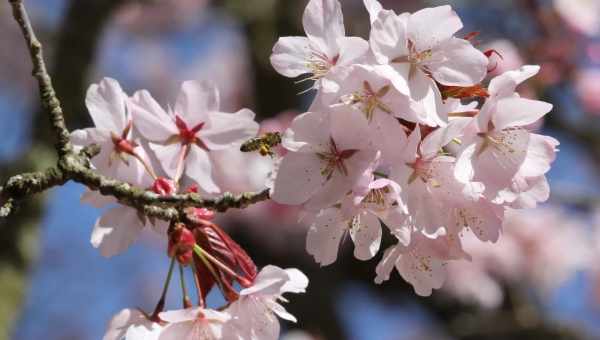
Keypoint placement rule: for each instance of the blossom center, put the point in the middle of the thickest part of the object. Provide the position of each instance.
(320, 64)
(188, 135)
(121, 144)
(334, 159)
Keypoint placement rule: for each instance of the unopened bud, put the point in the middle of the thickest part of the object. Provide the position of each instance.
(181, 244)
(164, 186)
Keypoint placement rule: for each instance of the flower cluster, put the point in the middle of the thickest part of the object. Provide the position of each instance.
(405, 129)
(181, 150)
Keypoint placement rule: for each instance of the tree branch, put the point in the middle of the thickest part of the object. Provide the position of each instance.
(49, 101)
(76, 166)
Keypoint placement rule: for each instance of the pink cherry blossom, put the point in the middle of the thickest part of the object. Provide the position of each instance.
(254, 314)
(325, 48)
(132, 324)
(183, 137)
(421, 47)
(193, 323)
(107, 105)
(502, 148)
(328, 152)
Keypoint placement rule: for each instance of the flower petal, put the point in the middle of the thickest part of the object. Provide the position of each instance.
(429, 27)
(150, 119)
(229, 129)
(323, 23)
(198, 167)
(298, 177)
(324, 236)
(516, 111)
(195, 101)
(106, 104)
(291, 56)
(115, 230)
(458, 63)
(366, 234)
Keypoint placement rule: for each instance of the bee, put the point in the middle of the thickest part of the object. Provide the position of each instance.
(262, 144)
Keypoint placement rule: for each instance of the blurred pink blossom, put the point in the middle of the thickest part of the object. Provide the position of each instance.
(542, 247)
(587, 86)
(581, 15)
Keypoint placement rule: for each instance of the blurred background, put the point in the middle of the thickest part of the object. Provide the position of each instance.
(541, 281)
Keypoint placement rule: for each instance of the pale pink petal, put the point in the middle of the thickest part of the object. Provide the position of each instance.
(458, 63)
(268, 282)
(181, 330)
(324, 236)
(483, 218)
(168, 155)
(373, 7)
(89, 136)
(198, 167)
(106, 104)
(291, 56)
(388, 136)
(388, 37)
(150, 119)
(298, 177)
(280, 311)
(115, 230)
(430, 27)
(439, 138)
(423, 271)
(297, 282)
(309, 132)
(195, 101)
(350, 129)
(516, 111)
(529, 192)
(505, 84)
(541, 152)
(427, 100)
(366, 235)
(181, 315)
(121, 324)
(388, 261)
(229, 129)
(323, 23)
(351, 50)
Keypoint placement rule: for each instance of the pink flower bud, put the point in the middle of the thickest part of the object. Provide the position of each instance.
(163, 186)
(181, 244)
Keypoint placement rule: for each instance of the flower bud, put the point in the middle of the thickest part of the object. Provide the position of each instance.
(164, 186)
(181, 244)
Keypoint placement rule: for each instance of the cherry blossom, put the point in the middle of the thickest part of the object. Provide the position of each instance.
(325, 48)
(193, 323)
(183, 137)
(254, 315)
(502, 147)
(132, 324)
(107, 106)
(328, 152)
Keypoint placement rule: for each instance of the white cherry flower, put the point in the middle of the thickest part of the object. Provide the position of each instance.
(325, 48)
(499, 147)
(183, 136)
(254, 314)
(328, 153)
(193, 323)
(132, 324)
